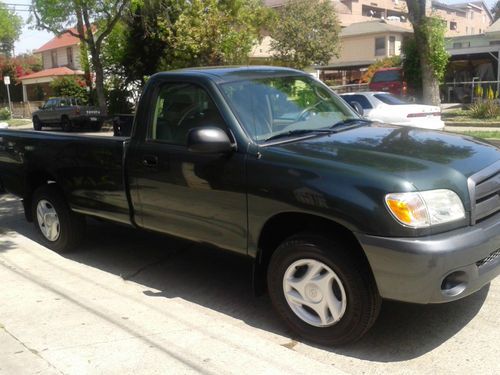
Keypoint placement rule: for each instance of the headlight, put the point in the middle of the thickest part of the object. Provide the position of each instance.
(425, 208)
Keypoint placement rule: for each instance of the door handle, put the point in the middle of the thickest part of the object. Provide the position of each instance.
(150, 161)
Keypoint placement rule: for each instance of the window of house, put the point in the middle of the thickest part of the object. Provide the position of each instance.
(380, 46)
(466, 30)
(453, 25)
(69, 54)
(392, 45)
(471, 14)
(53, 55)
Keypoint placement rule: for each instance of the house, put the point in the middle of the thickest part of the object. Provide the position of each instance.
(364, 43)
(60, 57)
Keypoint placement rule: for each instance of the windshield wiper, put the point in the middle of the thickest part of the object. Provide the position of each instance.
(292, 133)
(350, 121)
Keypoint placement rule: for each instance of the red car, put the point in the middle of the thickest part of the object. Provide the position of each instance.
(389, 80)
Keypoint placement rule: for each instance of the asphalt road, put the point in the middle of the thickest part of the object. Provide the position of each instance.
(135, 302)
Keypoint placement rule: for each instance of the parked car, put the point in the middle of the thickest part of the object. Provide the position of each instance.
(385, 107)
(389, 80)
(67, 113)
(335, 212)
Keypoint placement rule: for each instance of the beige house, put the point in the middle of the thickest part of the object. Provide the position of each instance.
(60, 57)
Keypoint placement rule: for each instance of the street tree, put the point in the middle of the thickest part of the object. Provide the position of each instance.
(94, 21)
(305, 33)
(10, 30)
(214, 32)
(429, 32)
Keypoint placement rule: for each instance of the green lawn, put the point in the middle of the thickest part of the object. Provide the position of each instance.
(483, 134)
(18, 122)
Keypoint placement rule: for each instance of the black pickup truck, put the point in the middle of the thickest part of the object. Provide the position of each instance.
(336, 212)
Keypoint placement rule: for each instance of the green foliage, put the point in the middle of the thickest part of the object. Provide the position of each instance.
(484, 109)
(118, 98)
(411, 64)
(70, 87)
(5, 113)
(214, 32)
(388, 62)
(305, 33)
(432, 30)
(10, 29)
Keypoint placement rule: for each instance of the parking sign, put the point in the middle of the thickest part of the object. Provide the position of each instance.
(6, 80)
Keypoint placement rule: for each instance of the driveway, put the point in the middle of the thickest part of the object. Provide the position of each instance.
(134, 302)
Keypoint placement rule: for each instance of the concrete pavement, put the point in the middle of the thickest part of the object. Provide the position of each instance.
(135, 302)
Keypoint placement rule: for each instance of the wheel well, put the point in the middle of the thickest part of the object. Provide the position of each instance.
(33, 182)
(285, 225)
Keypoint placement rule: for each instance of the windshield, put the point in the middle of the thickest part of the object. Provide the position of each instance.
(386, 76)
(267, 107)
(389, 99)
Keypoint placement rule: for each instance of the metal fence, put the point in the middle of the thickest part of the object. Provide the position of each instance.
(465, 92)
(350, 88)
(22, 109)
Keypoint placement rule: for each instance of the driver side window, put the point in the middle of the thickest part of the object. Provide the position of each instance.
(179, 108)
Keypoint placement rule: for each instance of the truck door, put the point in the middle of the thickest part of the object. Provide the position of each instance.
(201, 197)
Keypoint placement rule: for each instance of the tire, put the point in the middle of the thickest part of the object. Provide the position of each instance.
(96, 126)
(37, 124)
(337, 276)
(50, 211)
(66, 124)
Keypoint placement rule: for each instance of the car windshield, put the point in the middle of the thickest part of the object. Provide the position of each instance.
(389, 99)
(386, 76)
(267, 107)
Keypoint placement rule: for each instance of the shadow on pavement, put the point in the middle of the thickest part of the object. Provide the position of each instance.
(222, 282)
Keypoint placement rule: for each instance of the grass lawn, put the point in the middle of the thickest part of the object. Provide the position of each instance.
(483, 134)
(460, 115)
(18, 121)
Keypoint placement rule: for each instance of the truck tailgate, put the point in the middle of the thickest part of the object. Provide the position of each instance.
(89, 169)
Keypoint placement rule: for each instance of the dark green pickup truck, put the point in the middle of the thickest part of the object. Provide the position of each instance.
(336, 212)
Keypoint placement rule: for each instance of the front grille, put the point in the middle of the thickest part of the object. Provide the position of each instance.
(484, 189)
(488, 259)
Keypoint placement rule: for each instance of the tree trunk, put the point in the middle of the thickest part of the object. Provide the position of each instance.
(99, 82)
(430, 83)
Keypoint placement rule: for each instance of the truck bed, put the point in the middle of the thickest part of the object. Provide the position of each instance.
(89, 169)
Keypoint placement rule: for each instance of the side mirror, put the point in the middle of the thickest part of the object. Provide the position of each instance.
(209, 140)
(357, 107)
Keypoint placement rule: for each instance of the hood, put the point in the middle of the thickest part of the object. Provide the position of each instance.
(424, 158)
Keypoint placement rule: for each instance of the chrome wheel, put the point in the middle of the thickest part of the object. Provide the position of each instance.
(48, 221)
(314, 292)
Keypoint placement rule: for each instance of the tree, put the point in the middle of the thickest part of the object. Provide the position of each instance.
(305, 33)
(70, 87)
(94, 20)
(214, 32)
(429, 34)
(495, 11)
(10, 30)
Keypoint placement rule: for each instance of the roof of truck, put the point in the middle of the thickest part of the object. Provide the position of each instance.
(231, 73)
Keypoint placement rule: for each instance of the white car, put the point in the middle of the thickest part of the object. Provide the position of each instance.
(385, 107)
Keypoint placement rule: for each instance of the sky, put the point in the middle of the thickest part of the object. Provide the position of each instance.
(33, 39)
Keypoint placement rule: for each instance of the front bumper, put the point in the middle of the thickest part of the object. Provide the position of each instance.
(438, 268)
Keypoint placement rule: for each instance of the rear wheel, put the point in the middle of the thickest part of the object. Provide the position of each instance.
(96, 126)
(321, 290)
(59, 228)
(66, 124)
(37, 124)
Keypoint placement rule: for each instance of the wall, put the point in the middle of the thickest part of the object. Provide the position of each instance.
(62, 58)
(362, 47)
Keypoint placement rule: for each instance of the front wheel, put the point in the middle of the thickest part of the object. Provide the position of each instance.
(37, 124)
(322, 290)
(59, 228)
(66, 124)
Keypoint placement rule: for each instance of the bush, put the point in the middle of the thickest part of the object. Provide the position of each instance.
(70, 87)
(388, 62)
(5, 113)
(484, 109)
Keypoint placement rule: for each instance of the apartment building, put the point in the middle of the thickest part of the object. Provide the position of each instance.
(466, 18)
